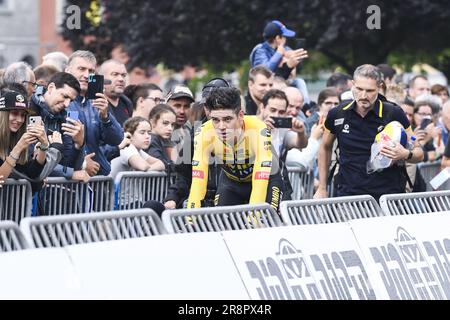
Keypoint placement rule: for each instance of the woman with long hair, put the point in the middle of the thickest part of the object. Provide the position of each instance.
(16, 137)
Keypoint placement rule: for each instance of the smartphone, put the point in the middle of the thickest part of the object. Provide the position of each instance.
(72, 115)
(300, 43)
(281, 122)
(95, 85)
(425, 122)
(34, 120)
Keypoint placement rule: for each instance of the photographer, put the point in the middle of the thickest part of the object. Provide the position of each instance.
(287, 133)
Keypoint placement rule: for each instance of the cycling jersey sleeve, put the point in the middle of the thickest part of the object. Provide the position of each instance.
(200, 166)
(262, 166)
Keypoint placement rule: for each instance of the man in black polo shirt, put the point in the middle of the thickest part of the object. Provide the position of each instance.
(355, 126)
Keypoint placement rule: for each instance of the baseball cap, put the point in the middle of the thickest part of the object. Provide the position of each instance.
(12, 100)
(180, 91)
(276, 28)
(211, 84)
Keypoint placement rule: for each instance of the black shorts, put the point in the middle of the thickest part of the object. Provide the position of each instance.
(231, 193)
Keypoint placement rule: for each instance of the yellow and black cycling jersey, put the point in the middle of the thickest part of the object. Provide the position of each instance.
(249, 160)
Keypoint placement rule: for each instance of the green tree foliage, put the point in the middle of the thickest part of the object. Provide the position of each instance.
(221, 33)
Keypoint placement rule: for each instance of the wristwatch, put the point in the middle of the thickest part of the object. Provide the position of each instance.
(43, 147)
(410, 155)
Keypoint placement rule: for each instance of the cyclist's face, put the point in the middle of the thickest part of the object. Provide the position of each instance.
(226, 123)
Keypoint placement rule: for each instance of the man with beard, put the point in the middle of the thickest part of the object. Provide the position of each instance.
(355, 126)
(115, 74)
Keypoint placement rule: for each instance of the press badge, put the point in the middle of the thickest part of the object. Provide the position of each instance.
(339, 122)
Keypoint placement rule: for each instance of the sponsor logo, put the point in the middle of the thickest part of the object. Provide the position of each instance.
(346, 129)
(194, 163)
(261, 175)
(198, 174)
(265, 132)
(20, 98)
(266, 164)
(267, 143)
(338, 122)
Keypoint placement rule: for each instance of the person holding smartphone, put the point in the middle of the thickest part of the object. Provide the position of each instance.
(17, 136)
(425, 130)
(287, 133)
(101, 128)
(51, 106)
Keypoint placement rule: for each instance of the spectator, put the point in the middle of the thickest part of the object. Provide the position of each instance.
(342, 82)
(162, 119)
(20, 72)
(395, 93)
(277, 57)
(275, 104)
(17, 137)
(144, 97)
(427, 107)
(388, 73)
(408, 108)
(133, 157)
(279, 83)
(51, 106)
(418, 85)
(57, 59)
(355, 126)
(43, 73)
(440, 91)
(180, 99)
(260, 81)
(100, 125)
(116, 74)
(444, 122)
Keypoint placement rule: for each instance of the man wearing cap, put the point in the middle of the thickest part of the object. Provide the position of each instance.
(274, 54)
(15, 158)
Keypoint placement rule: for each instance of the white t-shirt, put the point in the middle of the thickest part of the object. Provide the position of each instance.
(121, 164)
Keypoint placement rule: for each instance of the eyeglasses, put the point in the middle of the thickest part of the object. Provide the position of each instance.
(157, 100)
(34, 84)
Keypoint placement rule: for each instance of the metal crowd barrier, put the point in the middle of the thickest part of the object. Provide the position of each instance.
(417, 202)
(221, 218)
(135, 188)
(62, 196)
(429, 170)
(65, 230)
(330, 210)
(11, 238)
(15, 200)
(302, 183)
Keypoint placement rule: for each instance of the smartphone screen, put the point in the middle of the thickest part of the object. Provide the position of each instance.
(95, 85)
(72, 115)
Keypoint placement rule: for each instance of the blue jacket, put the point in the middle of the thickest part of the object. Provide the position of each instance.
(97, 132)
(72, 158)
(264, 54)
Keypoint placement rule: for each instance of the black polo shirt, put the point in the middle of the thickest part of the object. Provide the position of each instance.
(355, 136)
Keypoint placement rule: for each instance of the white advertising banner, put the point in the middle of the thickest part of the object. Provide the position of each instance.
(300, 262)
(38, 274)
(182, 266)
(407, 256)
